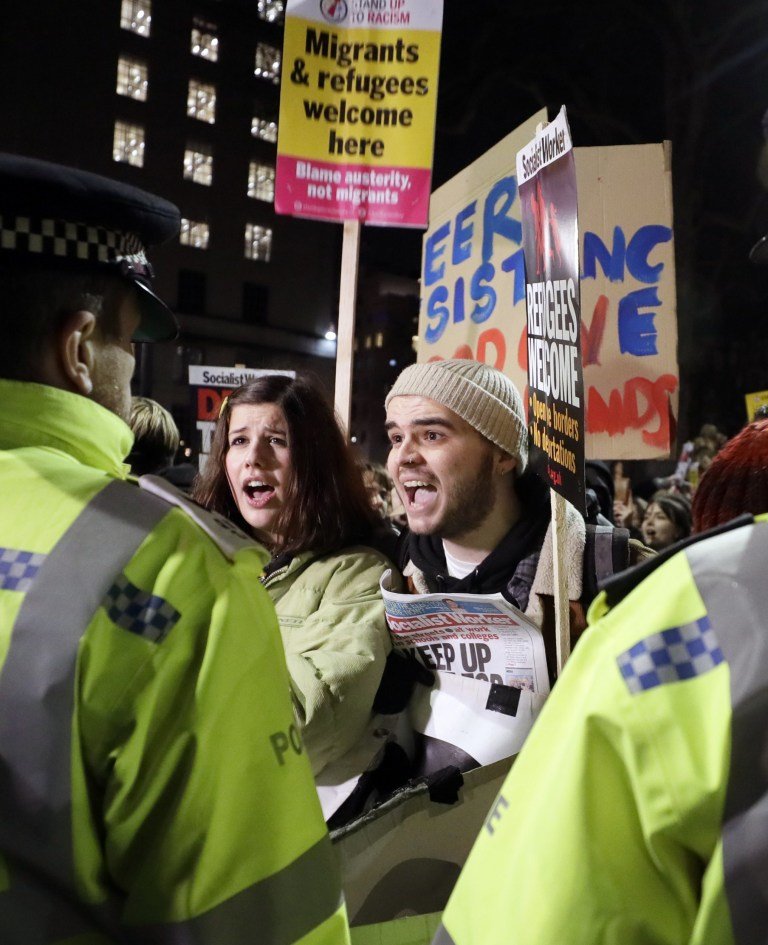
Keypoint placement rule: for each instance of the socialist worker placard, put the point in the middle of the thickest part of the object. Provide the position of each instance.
(546, 176)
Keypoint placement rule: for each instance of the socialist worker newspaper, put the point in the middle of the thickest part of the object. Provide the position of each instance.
(490, 674)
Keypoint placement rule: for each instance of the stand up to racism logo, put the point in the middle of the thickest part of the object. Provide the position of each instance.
(335, 11)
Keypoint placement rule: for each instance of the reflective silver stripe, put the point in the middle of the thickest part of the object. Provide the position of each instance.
(730, 571)
(37, 687)
(442, 936)
(603, 552)
(278, 910)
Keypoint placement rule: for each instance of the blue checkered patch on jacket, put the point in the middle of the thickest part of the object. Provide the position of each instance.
(18, 569)
(146, 615)
(670, 656)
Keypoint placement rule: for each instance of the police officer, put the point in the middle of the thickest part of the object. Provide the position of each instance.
(637, 811)
(152, 786)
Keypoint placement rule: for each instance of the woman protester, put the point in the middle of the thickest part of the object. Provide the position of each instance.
(280, 468)
(667, 520)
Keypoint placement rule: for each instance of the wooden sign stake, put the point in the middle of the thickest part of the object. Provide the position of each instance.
(562, 610)
(345, 332)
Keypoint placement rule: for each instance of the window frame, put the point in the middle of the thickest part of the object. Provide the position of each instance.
(267, 51)
(187, 229)
(254, 182)
(196, 87)
(127, 127)
(129, 10)
(253, 238)
(124, 64)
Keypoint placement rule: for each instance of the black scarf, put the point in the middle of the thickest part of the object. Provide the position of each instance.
(492, 575)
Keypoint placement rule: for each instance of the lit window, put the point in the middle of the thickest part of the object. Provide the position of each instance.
(261, 181)
(132, 78)
(198, 164)
(204, 41)
(379, 339)
(136, 16)
(201, 101)
(264, 129)
(194, 233)
(267, 64)
(258, 242)
(272, 11)
(128, 144)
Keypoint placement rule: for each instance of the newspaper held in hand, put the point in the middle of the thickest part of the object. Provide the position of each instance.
(490, 670)
(481, 636)
(490, 683)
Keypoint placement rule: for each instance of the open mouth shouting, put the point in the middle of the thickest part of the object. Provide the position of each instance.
(257, 492)
(419, 493)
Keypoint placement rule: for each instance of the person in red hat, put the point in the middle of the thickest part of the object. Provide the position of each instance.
(737, 480)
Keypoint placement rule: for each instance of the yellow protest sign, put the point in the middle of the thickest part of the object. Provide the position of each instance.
(754, 401)
(357, 110)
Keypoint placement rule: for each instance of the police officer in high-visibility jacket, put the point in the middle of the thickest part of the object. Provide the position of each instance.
(153, 788)
(637, 811)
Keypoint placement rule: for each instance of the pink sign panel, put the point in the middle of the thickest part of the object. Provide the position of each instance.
(382, 196)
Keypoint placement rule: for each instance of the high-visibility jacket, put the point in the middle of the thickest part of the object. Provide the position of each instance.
(153, 787)
(637, 811)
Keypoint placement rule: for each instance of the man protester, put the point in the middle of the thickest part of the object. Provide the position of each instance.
(478, 522)
(152, 785)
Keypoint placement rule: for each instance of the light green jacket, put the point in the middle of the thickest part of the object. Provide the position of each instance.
(635, 813)
(336, 643)
(151, 777)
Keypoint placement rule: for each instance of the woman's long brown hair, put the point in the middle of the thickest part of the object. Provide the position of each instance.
(326, 506)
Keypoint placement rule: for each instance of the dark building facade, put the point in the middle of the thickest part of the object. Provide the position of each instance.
(386, 326)
(180, 97)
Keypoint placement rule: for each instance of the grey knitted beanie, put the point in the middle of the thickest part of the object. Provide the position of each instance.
(479, 394)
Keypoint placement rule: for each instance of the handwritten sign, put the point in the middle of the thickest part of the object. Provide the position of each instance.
(357, 110)
(473, 285)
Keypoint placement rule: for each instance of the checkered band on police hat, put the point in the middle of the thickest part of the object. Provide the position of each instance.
(60, 239)
(51, 214)
(479, 394)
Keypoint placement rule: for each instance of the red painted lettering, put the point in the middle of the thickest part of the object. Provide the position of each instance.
(623, 409)
(592, 337)
(492, 336)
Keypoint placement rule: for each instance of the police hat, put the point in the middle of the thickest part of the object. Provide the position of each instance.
(56, 214)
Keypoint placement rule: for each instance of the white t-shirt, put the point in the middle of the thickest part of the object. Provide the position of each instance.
(457, 568)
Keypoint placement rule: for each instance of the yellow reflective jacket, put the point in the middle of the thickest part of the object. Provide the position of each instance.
(636, 812)
(153, 787)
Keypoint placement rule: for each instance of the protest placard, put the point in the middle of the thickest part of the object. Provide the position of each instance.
(209, 386)
(473, 285)
(357, 110)
(546, 178)
(628, 300)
